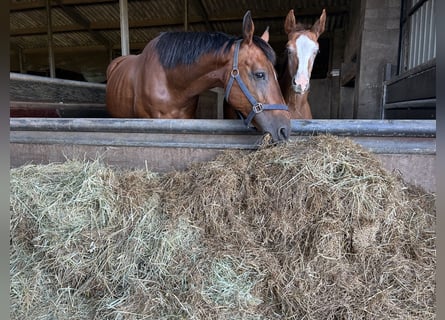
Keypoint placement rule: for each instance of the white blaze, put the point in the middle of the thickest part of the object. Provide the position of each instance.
(306, 48)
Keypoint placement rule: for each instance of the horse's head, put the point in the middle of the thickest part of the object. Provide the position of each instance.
(252, 87)
(302, 48)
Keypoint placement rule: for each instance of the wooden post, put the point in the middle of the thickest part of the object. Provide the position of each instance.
(125, 41)
(52, 69)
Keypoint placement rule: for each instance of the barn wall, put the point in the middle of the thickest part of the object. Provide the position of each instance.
(371, 42)
(324, 96)
(379, 46)
(349, 66)
(320, 98)
(347, 98)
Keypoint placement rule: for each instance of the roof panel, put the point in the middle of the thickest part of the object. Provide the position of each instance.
(100, 12)
(96, 22)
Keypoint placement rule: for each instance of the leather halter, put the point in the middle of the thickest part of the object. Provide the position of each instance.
(257, 107)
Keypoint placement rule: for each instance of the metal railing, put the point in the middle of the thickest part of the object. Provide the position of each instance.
(418, 33)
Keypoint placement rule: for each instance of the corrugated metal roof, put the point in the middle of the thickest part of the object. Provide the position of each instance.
(89, 23)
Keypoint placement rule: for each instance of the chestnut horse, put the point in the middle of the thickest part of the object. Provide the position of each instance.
(165, 80)
(302, 48)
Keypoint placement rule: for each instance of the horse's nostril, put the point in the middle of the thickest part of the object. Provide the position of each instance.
(298, 88)
(283, 133)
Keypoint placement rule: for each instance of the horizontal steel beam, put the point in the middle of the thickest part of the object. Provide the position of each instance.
(376, 128)
(388, 145)
(30, 79)
(379, 136)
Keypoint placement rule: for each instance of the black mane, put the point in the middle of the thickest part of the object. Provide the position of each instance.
(176, 48)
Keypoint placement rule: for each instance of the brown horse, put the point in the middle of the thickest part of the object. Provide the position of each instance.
(302, 48)
(165, 80)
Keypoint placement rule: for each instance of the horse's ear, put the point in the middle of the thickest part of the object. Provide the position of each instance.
(248, 28)
(265, 35)
(318, 27)
(290, 23)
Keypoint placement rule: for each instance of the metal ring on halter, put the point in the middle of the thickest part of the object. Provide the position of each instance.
(258, 107)
(234, 73)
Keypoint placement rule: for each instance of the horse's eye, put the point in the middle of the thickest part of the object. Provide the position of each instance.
(260, 75)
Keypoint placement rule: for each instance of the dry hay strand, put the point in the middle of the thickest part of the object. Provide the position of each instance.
(89, 233)
(312, 229)
(333, 234)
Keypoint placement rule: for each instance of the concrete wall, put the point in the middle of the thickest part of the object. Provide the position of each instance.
(320, 98)
(324, 95)
(371, 42)
(378, 46)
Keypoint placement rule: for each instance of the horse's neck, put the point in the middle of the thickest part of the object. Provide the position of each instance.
(207, 73)
(298, 104)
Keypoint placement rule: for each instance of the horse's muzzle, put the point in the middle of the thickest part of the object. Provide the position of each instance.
(279, 127)
(300, 84)
(300, 89)
(283, 133)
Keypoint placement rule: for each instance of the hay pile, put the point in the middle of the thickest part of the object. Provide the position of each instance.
(307, 230)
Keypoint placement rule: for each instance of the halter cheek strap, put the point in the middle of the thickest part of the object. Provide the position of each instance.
(257, 107)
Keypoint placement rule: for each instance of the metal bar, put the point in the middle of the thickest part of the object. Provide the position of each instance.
(416, 20)
(388, 145)
(426, 33)
(412, 72)
(24, 87)
(423, 103)
(433, 31)
(435, 41)
(416, 7)
(125, 39)
(158, 140)
(14, 77)
(401, 62)
(380, 128)
(56, 105)
(411, 42)
(421, 34)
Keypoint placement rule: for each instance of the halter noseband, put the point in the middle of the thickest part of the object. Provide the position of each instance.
(257, 107)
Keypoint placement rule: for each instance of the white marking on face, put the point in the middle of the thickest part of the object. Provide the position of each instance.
(306, 50)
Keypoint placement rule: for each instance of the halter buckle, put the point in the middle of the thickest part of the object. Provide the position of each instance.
(234, 73)
(258, 107)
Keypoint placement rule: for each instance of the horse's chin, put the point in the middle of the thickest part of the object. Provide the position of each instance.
(297, 90)
(268, 140)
